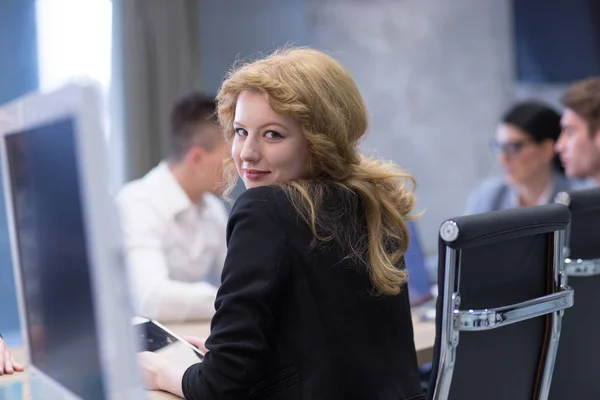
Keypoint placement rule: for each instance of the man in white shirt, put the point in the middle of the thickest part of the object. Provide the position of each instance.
(579, 142)
(174, 225)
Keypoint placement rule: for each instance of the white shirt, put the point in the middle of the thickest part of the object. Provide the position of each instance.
(175, 249)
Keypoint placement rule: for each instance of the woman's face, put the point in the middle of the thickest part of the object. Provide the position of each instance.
(268, 148)
(522, 158)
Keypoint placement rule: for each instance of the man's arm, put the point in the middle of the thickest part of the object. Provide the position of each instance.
(156, 294)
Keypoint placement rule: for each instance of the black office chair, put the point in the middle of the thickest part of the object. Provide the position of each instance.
(500, 304)
(576, 374)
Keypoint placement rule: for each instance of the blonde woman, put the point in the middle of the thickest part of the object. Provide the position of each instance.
(313, 302)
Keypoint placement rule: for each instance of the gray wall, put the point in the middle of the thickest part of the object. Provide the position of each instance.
(435, 75)
(240, 28)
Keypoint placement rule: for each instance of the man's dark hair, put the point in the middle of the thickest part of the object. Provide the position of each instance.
(187, 114)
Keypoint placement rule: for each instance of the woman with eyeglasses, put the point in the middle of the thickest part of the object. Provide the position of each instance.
(524, 146)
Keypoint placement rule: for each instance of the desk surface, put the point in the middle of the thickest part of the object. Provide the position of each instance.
(424, 338)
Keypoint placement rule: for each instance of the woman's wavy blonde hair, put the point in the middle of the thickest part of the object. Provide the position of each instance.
(316, 90)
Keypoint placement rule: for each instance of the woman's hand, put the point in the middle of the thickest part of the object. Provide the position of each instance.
(7, 362)
(151, 365)
(159, 373)
(196, 342)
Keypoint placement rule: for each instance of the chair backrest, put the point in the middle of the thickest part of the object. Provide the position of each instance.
(499, 305)
(575, 375)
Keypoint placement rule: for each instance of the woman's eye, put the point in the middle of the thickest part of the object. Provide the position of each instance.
(241, 132)
(273, 135)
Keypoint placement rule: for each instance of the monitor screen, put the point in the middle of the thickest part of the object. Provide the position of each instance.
(54, 261)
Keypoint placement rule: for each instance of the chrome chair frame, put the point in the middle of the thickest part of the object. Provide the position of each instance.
(455, 320)
(575, 267)
(581, 270)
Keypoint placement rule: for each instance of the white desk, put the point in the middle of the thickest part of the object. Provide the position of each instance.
(424, 339)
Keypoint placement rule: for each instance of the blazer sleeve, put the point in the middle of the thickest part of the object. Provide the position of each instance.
(474, 202)
(243, 323)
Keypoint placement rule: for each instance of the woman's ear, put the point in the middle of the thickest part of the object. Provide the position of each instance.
(548, 149)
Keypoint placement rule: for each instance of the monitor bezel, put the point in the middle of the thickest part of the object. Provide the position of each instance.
(81, 101)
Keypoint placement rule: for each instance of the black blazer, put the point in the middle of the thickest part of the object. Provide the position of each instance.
(293, 323)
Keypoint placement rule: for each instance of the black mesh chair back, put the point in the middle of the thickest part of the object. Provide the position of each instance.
(499, 304)
(576, 374)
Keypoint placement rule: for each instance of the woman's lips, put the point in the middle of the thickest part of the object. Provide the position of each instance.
(255, 174)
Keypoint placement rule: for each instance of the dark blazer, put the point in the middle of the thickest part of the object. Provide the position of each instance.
(293, 323)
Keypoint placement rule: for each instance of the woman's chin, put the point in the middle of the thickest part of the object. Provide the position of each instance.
(511, 180)
(253, 184)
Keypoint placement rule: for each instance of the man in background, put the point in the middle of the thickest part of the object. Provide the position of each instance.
(174, 224)
(579, 142)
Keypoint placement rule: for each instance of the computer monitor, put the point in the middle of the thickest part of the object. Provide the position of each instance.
(419, 287)
(71, 282)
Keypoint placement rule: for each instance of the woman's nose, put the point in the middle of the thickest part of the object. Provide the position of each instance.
(250, 151)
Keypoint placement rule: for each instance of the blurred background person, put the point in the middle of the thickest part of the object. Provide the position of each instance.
(579, 143)
(524, 144)
(174, 225)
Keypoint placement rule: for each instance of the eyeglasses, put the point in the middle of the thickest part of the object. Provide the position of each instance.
(510, 148)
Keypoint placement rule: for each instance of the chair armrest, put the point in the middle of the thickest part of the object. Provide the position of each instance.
(482, 320)
(582, 267)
